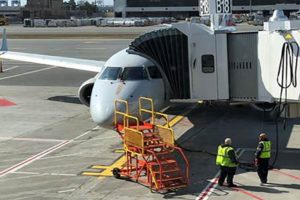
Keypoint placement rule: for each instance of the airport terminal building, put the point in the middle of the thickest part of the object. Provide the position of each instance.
(187, 8)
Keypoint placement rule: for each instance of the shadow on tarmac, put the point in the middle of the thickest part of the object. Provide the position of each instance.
(65, 99)
(213, 123)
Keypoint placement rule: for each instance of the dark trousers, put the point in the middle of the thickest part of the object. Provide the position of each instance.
(262, 169)
(226, 172)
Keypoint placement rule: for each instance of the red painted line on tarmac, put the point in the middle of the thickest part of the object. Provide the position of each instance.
(5, 102)
(247, 193)
(208, 189)
(286, 174)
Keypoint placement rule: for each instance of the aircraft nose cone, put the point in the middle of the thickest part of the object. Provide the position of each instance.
(102, 113)
(102, 110)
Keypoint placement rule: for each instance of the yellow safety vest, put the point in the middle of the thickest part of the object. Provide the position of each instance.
(223, 157)
(266, 152)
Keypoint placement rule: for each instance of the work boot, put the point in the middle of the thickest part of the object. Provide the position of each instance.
(232, 185)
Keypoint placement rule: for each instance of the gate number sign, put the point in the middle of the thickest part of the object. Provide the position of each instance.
(207, 7)
(223, 7)
(204, 7)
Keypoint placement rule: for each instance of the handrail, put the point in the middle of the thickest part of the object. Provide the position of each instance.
(126, 121)
(160, 168)
(141, 109)
(186, 162)
(165, 116)
(120, 101)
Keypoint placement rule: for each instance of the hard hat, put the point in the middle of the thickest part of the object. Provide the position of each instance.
(227, 141)
(263, 136)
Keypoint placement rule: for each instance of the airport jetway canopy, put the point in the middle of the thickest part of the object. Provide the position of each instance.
(167, 48)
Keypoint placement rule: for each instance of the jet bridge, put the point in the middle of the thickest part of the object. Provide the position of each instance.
(201, 63)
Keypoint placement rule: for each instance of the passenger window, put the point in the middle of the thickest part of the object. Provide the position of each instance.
(208, 64)
(154, 72)
(111, 73)
(134, 73)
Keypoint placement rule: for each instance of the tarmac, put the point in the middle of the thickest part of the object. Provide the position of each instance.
(48, 140)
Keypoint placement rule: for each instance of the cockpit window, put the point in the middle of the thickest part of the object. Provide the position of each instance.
(134, 73)
(154, 72)
(111, 73)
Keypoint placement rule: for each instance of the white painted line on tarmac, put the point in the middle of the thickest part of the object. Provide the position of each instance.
(31, 139)
(32, 159)
(204, 195)
(29, 173)
(61, 156)
(17, 48)
(11, 68)
(64, 191)
(100, 138)
(26, 73)
(40, 155)
(44, 174)
(90, 42)
(23, 177)
(91, 48)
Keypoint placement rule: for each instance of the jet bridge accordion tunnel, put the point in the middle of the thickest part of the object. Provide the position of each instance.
(167, 48)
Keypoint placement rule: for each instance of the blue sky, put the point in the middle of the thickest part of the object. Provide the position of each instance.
(106, 2)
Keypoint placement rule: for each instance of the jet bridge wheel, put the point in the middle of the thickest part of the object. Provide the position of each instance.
(117, 173)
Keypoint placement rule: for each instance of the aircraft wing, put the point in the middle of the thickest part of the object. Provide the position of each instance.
(72, 63)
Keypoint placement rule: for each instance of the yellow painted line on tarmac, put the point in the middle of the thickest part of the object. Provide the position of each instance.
(180, 117)
(99, 167)
(118, 164)
(107, 170)
(119, 151)
(90, 173)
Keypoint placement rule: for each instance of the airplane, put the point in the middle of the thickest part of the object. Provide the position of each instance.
(123, 76)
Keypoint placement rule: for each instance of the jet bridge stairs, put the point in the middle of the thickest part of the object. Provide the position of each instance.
(152, 158)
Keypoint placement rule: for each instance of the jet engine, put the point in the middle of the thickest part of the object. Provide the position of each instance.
(85, 91)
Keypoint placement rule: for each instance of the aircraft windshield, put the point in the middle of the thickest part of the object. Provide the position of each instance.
(111, 73)
(134, 73)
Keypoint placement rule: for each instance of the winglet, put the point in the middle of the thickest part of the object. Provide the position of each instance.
(4, 41)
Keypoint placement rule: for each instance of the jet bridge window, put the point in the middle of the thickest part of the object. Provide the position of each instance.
(154, 72)
(111, 73)
(208, 64)
(134, 73)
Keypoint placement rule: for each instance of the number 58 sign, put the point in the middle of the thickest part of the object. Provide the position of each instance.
(207, 7)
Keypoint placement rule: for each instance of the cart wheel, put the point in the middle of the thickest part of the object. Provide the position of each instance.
(116, 172)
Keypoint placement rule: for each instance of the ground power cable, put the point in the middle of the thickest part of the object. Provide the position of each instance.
(286, 77)
(200, 150)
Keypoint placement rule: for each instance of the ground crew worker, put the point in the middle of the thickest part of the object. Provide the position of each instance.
(262, 157)
(226, 159)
